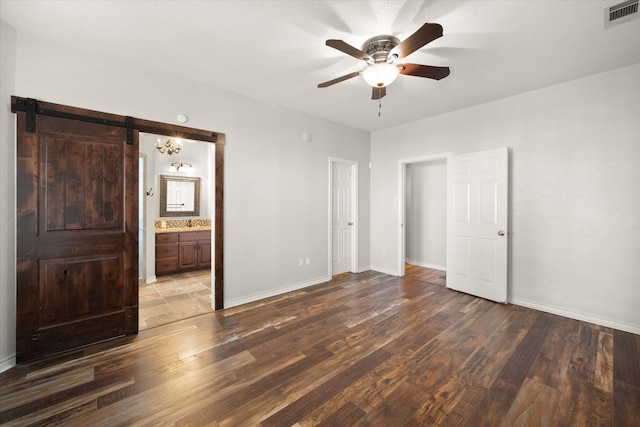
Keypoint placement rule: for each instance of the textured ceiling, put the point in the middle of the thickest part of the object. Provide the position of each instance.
(274, 51)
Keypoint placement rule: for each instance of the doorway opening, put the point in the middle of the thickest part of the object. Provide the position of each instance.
(343, 215)
(179, 245)
(423, 209)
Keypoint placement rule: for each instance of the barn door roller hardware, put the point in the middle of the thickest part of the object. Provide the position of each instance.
(32, 108)
(129, 123)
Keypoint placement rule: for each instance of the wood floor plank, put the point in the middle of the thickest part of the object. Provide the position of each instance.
(518, 365)
(44, 386)
(252, 411)
(626, 404)
(61, 418)
(580, 403)
(583, 360)
(493, 408)
(626, 353)
(485, 364)
(172, 372)
(309, 401)
(534, 405)
(461, 414)
(149, 406)
(347, 415)
(64, 405)
(396, 409)
(367, 392)
(437, 406)
(551, 365)
(362, 349)
(603, 376)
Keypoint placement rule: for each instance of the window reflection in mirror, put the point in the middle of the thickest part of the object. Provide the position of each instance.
(179, 196)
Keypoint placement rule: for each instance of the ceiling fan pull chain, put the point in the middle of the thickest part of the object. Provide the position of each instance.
(379, 107)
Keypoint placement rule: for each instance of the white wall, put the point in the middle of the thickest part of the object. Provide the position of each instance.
(8, 196)
(276, 185)
(575, 191)
(425, 214)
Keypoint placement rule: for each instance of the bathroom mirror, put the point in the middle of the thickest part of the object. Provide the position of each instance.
(179, 196)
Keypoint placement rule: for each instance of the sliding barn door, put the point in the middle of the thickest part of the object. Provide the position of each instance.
(76, 233)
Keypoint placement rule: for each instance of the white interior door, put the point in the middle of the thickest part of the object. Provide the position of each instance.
(342, 219)
(477, 228)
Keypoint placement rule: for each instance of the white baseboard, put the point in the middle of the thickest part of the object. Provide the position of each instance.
(363, 269)
(384, 271)
(273, 292)
(152, 279)
(8, 362)
(426, 265)
(577, 316)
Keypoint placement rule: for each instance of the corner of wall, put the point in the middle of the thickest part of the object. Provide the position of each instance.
(8, 42)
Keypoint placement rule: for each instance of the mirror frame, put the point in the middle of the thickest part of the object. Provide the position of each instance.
(164, 179)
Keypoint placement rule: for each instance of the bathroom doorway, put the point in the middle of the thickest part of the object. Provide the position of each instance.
(178, 246)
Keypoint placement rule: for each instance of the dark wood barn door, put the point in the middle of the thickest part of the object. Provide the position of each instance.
(77, 280)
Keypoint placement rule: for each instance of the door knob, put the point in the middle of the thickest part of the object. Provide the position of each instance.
(500, 233)
(350, 223)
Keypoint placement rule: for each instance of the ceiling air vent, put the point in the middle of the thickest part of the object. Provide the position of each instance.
(620, 13)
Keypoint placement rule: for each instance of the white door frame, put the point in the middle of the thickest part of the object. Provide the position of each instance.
(402, 172)
(354, 213)
(142, 212)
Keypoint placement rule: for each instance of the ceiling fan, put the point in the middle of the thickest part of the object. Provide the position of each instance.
(381, 53)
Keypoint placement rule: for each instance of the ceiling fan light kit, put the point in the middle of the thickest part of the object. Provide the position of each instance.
(381, 52)
(380, 74)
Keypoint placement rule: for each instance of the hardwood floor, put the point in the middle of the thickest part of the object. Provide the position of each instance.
(362, 350)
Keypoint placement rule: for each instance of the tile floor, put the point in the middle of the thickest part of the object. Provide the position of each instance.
(173, 297)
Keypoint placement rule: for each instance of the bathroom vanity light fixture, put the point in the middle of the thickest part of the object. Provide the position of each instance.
(169, 146)
(176, 166)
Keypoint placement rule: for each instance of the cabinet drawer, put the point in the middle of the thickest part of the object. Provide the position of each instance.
(166, 237)
(166, 265)
(191, 236)
(164, 251)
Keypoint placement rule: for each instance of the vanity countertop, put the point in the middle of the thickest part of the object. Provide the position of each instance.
(183, 229)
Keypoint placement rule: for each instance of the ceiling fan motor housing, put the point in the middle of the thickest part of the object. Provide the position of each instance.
(378, 48)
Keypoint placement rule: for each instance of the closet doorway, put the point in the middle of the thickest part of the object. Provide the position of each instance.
(423, 210)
